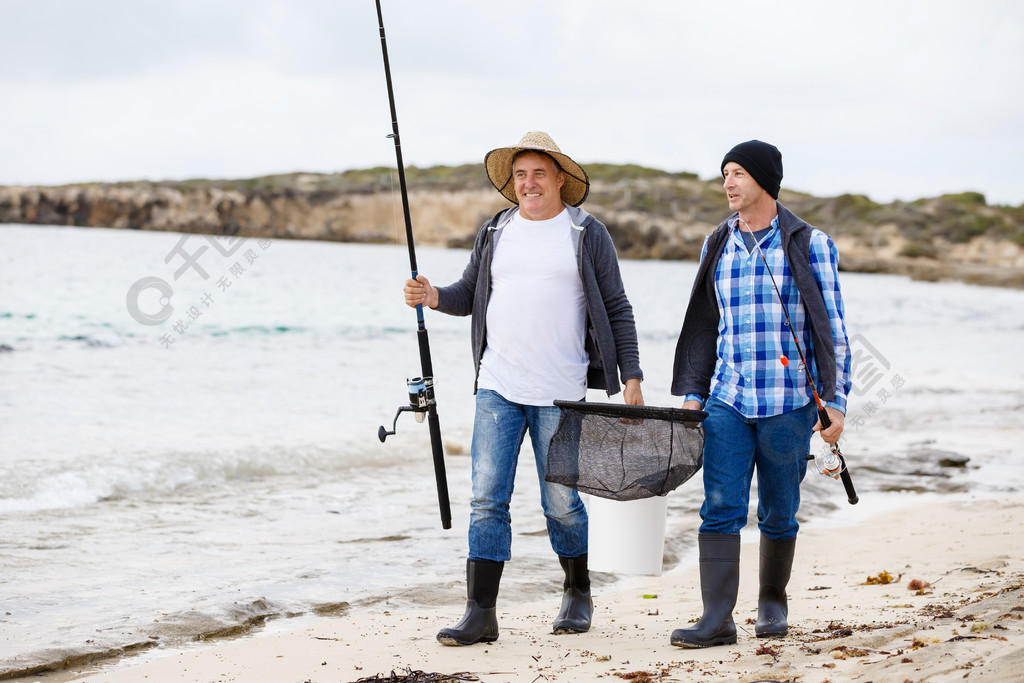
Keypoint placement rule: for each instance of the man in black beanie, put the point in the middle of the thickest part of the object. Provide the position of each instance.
(732, 361)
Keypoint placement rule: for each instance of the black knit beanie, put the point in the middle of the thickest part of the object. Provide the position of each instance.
(761, 160)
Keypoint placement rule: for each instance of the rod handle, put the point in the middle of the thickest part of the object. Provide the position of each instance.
(851, 493)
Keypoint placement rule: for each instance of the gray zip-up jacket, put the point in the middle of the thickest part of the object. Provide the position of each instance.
(611, 330)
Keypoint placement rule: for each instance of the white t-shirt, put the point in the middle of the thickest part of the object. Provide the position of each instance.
(536, 316)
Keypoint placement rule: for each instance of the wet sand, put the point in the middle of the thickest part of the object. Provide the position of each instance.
(952, 610)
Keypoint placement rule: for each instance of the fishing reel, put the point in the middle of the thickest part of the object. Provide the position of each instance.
(830, 463)
(421, 397)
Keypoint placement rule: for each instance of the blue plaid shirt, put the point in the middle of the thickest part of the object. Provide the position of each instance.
(753, 334)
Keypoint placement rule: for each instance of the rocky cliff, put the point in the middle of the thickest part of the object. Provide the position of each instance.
(650, 213)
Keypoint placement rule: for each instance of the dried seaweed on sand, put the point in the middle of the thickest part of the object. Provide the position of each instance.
(411, 676)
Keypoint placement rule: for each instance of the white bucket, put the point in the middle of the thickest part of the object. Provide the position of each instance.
(627, 537)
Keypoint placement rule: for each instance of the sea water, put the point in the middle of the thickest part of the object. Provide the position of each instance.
(188, 430)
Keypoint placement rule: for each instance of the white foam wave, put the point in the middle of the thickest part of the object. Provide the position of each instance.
(73, 485)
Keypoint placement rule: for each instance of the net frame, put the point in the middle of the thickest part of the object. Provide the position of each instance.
(635, 412)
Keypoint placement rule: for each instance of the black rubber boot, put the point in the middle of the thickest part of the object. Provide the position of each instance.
(772, 608)
(480, 623)
(577, 606)
(719, 583)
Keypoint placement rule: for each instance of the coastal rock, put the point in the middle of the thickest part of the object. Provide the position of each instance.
(650, 214)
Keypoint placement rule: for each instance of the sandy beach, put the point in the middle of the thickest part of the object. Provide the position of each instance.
(932, 590)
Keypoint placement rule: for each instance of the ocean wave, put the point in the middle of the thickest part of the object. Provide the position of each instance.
(66, 486)
(258, 330)
(357, 332)
(104, 341)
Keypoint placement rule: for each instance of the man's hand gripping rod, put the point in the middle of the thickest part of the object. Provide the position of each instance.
(833, 463)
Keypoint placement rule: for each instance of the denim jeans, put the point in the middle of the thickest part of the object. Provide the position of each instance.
(498, 431)
(733, 446)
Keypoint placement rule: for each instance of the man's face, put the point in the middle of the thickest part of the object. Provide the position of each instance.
(741, 189)
(538, 185)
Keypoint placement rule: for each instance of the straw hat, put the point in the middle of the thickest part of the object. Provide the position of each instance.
(499, 168)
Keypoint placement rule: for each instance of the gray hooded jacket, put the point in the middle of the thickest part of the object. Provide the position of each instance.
(611, 330)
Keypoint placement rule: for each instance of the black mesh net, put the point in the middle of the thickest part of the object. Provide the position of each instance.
(625, 452)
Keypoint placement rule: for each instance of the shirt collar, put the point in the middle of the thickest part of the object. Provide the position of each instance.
(734, 222)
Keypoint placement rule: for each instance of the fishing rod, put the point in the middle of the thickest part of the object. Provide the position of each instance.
(834, 464)
(421, 389)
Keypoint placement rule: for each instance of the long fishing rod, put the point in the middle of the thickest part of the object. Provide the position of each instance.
(421, 389)
(838, 466)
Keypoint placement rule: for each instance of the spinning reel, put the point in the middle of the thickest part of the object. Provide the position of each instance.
(421, 397)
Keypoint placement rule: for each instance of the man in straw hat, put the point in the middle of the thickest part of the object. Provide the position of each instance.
(550, 319)
(732, 360)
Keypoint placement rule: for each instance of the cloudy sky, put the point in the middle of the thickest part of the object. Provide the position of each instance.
(895, 100)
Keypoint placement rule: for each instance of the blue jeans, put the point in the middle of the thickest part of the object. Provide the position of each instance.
(498, 431)
(733, 446)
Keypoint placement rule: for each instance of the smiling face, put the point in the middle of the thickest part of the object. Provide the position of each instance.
(538, 185)
(742, 190)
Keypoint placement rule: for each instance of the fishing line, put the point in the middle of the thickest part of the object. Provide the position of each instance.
(394, 204)
(835, 466)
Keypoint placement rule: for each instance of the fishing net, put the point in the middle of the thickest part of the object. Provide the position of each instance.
(625, 452)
